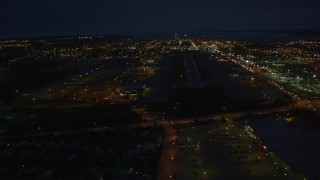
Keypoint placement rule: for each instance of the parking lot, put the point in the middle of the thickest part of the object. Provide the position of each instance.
(214, 151)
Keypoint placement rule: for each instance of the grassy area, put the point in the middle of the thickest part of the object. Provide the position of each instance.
(60, 115)
(28, 76)
(197, 101)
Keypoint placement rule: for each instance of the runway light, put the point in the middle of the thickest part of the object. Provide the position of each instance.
(264, 147)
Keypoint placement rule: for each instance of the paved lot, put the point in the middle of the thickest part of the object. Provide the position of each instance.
(225, 151)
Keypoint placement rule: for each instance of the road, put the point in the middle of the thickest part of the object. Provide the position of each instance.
(305, 101)
(165, 123)
(167, 161)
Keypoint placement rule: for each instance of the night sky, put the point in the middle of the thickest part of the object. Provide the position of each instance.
(23, 18)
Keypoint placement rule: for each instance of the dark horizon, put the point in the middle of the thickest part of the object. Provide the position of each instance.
(36, 18)
(291, 33)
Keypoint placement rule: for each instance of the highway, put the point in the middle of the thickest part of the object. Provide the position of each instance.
(300, 101)
(167, 161)
(305, 101)
(169, 122)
